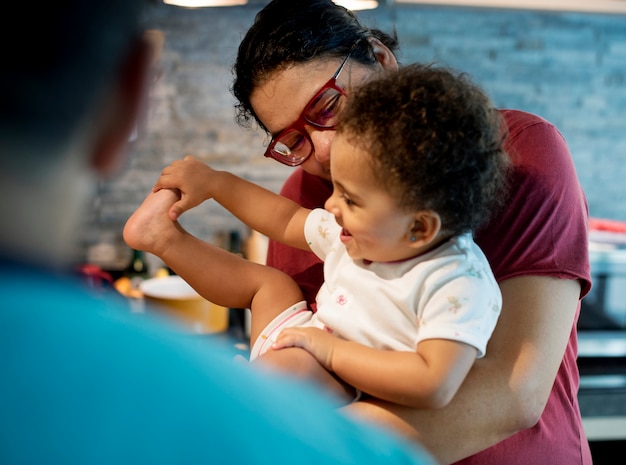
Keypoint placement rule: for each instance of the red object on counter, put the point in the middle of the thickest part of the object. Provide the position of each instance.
(601, 224)
(94, 276)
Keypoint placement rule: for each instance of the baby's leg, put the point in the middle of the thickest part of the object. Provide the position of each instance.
(216, 274)
(297, 362)
(149, 227)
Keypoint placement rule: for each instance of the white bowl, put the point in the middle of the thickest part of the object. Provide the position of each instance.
(175, 297)
(170, 287)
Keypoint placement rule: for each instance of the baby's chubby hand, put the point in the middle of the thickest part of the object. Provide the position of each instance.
(192, 178)
(319, 343)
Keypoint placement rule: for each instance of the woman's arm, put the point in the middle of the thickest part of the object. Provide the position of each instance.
(507, 390)
(426, 378)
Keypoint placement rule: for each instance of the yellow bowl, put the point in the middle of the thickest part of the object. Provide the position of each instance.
(179, 300)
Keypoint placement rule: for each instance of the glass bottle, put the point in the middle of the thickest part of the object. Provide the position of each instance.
(236, 316)
(137, 270)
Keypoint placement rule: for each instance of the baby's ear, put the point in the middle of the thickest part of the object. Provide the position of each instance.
(425, 228)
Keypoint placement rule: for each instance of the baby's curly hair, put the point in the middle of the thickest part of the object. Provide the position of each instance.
(435, 139)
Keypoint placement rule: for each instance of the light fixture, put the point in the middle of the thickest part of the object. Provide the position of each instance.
(355, 5)
(204, 3)
(349, 4)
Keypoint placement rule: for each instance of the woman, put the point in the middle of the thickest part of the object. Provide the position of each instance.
(519, 403)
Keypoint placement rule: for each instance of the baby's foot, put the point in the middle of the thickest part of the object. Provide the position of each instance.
(150, 225)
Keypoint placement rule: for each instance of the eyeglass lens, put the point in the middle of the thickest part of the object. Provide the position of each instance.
(294, 144)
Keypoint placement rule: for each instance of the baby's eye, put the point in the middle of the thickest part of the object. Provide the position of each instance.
(347, 200)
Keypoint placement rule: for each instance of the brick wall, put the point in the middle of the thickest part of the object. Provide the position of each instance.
(567, 67)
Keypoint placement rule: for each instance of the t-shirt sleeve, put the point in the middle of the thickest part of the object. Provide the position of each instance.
(320, 231)
(465, 309)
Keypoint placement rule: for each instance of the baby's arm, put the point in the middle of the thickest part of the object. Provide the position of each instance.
(260, 209)
(426, 378)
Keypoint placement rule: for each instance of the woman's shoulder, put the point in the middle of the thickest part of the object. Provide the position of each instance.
(534, 142)
(519, 120)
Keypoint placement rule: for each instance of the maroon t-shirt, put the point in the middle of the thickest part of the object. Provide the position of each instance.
(542, 230)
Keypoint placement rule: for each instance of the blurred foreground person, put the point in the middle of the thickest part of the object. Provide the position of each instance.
(84, 381)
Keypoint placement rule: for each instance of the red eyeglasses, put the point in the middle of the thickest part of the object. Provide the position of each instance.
(293, 145)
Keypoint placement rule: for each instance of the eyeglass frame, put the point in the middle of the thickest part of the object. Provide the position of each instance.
(302, 121)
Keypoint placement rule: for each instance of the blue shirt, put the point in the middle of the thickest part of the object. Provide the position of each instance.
(85, 381)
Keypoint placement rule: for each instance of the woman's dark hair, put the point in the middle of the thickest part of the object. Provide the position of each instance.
(434, 138)
(288, 32)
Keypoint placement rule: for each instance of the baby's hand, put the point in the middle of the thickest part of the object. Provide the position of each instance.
(192, 178)
(320, 343)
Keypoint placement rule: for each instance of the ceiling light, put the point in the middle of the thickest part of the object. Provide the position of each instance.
(204, 3)
(355, 5)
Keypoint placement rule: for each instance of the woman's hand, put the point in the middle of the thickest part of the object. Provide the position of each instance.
(192, 178)
(319, 343)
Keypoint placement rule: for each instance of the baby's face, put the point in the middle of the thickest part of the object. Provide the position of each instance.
(374, 227)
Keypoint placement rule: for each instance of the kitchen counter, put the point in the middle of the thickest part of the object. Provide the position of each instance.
(602, 394)
(604, 413)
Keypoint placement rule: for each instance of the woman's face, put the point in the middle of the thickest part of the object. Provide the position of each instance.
(280, 100)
